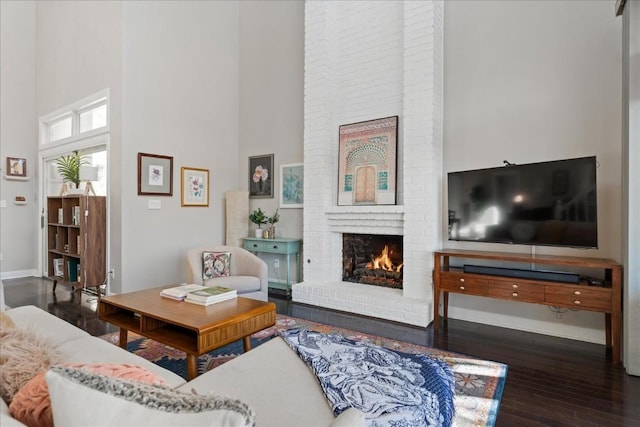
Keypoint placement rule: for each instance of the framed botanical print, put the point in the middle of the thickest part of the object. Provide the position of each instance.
(195, 186)
(155, 175)
(261, 176)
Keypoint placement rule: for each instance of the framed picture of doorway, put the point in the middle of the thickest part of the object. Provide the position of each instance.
(367, 162)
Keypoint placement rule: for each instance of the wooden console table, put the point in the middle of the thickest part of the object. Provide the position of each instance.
(282, 246)
(604, 299)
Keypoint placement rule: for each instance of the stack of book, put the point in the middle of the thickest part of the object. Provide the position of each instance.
(211, 295)
(179, 293)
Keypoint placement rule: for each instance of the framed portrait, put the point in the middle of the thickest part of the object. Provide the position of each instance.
(16, 167)
(261, 176)
(292, 185)
(155, 175)
(367, 162)
(195, 186)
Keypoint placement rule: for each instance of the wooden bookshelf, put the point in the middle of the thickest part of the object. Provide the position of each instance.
(76, 241)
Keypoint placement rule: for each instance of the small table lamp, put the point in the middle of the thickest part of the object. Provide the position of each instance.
(88, 174)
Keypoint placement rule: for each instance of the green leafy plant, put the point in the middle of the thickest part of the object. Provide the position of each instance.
(275, 218)
(258, 217)
(69, 167)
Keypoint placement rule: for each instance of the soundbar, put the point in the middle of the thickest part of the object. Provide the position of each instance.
(552, 276)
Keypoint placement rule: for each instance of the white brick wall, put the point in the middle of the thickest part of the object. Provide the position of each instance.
(367, 60)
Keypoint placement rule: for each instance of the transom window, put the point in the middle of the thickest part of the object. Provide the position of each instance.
(85, 117)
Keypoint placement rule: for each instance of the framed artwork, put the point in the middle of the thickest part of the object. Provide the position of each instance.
(195, 186)
(16, 167)
(155, 175)
(261, 176)
(367, 162)
(291, 185)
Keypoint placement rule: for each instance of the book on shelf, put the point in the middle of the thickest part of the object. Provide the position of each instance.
(72, 268)
(75, 215)
(179, 293)
(60, 216)
(217, 299)
(58, 267)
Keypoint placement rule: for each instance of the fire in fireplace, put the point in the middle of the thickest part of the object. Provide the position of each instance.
(372, 259)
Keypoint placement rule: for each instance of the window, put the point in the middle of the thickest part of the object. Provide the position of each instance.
(85, 117)
(60, 128)
(94, 118)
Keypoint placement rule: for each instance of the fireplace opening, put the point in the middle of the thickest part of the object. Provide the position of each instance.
(372, 259)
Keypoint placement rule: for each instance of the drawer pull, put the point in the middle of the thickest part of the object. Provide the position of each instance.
(577, 293)
(515, 294)
(461, 280)
(577, 302)
(255, 245)
(514, 286)
(275, 246)
(462, 288)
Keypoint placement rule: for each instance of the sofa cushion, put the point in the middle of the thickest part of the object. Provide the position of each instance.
(95, 350)
(6, 420)
(240, 283)
(283, 377)
(47, 325)
(32, 405)
(114, 402)
(23, 353)
(215, 264)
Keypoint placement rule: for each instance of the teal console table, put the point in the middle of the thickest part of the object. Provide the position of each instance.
(286, 247)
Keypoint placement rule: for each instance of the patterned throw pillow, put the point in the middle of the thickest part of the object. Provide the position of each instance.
(106, 401)
(215, 264)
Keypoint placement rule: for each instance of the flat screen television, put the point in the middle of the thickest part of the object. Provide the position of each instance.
(549, 203)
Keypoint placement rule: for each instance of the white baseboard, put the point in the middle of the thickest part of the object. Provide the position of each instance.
(18, 274)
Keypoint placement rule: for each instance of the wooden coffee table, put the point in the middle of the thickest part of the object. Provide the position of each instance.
(192, 328)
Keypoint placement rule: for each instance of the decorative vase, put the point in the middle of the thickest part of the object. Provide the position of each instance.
(258, 233)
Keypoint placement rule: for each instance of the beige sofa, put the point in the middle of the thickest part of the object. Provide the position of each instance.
(248, 275)
(271, 379)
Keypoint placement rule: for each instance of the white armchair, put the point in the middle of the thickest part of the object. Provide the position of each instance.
(248, 273)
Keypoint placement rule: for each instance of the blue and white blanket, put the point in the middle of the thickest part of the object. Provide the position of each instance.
(391, 388)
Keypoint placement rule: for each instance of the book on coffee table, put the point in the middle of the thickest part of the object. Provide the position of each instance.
(209, 302)
(211, 294)
(179, 293)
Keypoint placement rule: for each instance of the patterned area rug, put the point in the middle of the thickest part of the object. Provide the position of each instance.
(479, 383)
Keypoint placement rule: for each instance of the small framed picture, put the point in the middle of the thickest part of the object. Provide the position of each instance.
(195, 186)
(292, 185)
(155, 175)
(16, 167)
(261, 176)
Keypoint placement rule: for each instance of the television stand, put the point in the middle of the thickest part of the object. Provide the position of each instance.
(602, 296)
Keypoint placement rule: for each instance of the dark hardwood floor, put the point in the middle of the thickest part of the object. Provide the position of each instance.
(550, 382)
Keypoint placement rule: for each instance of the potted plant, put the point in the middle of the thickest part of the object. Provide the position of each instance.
(69, 168)
(272, 221)
(258, 217)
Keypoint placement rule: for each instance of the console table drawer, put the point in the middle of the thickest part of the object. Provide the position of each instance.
(579, 297)
(271, 246)
(463, 284)
(527, 293)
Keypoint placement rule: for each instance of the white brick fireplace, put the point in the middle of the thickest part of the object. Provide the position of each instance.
(368, 60)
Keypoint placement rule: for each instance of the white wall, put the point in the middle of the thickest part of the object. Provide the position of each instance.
(271, 96)
(631, 192)
(18, 137)
(180, 99)
(528, 82)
